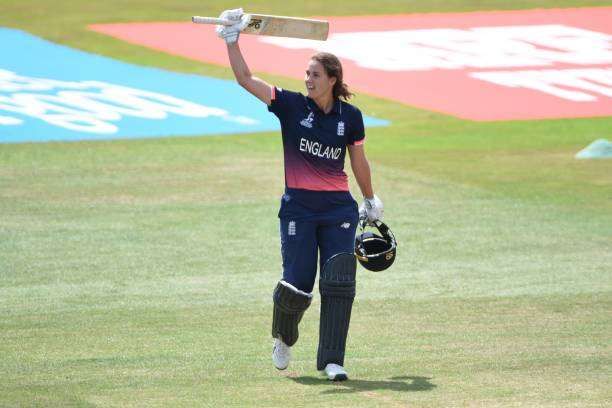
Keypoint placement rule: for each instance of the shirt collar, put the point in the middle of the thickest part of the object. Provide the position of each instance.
(335, 109)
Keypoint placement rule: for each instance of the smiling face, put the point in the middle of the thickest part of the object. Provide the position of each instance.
(318, 84)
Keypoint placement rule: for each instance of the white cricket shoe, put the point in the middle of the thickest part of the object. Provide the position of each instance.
(335, 372)
(281, 354)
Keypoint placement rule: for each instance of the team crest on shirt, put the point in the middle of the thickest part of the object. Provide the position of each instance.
(341, 128)
(307, 122)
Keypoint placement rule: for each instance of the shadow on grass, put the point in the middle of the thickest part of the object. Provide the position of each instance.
(400, 384)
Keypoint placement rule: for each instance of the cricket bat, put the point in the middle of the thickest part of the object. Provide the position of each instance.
(277, 26)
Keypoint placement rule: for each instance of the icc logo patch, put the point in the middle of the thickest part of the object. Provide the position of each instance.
(307, 122)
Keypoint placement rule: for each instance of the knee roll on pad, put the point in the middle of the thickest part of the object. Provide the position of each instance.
(290, 304)
(337, 287)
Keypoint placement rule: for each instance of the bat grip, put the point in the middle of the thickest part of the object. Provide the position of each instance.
(212, 20)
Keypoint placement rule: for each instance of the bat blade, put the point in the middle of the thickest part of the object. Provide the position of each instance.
(281, 26)
(277, 26)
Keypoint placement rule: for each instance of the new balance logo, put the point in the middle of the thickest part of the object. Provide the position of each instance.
(307, 122)
(345, 225)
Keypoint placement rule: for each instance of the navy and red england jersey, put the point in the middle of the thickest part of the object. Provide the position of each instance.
(314, 145)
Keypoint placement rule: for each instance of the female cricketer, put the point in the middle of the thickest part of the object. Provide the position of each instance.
(318, 215)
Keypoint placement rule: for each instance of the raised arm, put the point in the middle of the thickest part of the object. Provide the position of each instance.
(258, 87)
(230, 34)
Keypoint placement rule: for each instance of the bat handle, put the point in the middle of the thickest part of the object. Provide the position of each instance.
(212, 20)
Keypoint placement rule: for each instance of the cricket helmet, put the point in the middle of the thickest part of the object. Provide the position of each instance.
(375, 252)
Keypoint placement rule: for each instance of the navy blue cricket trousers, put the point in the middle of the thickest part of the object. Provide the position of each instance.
(308, 236)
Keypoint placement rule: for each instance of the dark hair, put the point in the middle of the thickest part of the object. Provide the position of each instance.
(333, 69)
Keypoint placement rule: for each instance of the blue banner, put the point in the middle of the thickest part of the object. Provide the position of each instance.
(50, 92)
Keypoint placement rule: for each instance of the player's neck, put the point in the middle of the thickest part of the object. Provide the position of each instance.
(325, 102)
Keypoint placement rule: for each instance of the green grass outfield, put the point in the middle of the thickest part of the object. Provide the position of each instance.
(139, 273)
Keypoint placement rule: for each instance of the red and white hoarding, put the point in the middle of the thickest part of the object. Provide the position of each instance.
(530, 64)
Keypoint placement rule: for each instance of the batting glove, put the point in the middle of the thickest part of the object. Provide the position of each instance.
(371, 209)
(231, 33)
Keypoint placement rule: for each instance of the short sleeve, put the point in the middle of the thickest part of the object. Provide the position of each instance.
(356, 136)
(282, 101)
